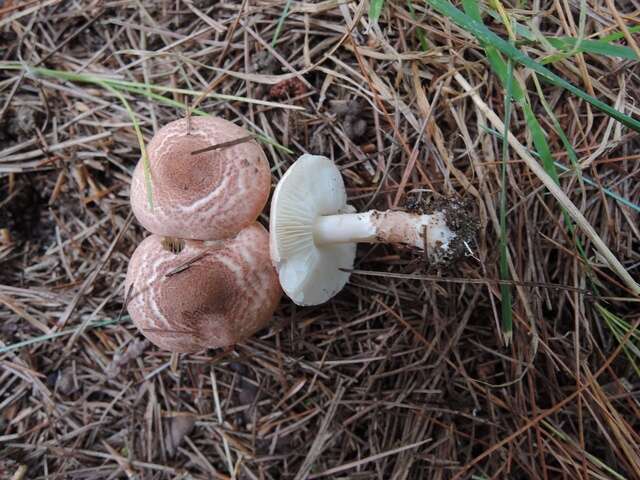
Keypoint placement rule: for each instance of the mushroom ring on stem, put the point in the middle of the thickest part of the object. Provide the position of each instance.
(314, 231)
(198, 191)
(188, 295)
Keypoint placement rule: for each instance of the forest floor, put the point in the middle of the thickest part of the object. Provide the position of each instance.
(519, 360)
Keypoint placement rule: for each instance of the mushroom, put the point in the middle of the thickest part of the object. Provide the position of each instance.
(198, 191)
(187, 295)
(314, 231)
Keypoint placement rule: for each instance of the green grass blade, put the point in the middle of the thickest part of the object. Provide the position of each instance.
(500, 68)
(505, 290)
(591, 457)
(620, 329)
(544, 152)
(375, 9)
(585, 178)
(281, 20)
(126, 85)
(496, 61)
(472, 8)
(64, 333)
(504, 71)
(143, 149)
(603, 46)
(147, 90)
(613, 37)
(422, 38)
(595, 47)
(174, 103)
(483, 34)
(606, 191)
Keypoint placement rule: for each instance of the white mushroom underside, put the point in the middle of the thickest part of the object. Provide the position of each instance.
(309, 274)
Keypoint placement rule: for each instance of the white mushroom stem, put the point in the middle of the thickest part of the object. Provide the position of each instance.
(384, 227)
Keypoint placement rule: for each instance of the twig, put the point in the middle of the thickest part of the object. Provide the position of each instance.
(220, 146)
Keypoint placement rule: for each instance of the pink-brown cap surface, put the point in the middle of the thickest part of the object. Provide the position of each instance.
(193, 295)
(207, 196)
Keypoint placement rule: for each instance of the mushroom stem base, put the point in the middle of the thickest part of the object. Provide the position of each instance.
(385, 227)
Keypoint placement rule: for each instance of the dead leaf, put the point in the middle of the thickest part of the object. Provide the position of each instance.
(179, 427)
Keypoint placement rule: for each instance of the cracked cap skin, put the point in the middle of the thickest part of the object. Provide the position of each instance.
(207, 196)
(204, 294)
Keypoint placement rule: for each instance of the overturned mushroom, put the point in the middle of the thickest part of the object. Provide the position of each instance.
(314, 231)
(198, 191)
(185, 296)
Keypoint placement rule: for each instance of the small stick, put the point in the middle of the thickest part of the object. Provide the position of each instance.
(127, 297)
(219, 146)
(20, 473)
(186, 265)
(173, 332)
(426, 246)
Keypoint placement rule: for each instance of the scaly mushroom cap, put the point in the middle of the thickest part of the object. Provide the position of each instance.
(190, 295)
(208, 196)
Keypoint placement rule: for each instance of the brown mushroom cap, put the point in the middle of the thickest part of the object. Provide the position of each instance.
(208, 196)
(228, 291)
